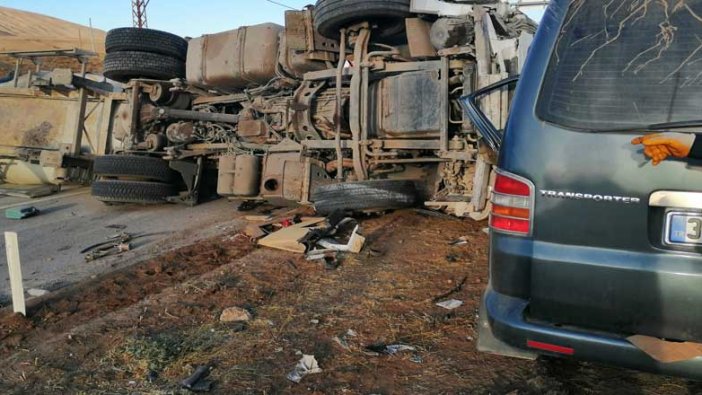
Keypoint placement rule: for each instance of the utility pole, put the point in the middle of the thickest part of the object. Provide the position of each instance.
(139, 13)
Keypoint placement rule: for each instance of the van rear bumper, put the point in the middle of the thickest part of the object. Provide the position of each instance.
(506, 321)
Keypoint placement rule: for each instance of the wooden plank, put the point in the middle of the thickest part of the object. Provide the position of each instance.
(13, 263)
(482, 43)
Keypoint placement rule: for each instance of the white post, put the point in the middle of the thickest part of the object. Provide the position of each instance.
(13, 263)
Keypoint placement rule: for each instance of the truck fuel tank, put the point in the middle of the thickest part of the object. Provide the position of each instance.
(235, 59)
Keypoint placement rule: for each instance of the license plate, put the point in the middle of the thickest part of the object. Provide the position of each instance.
(684, 228)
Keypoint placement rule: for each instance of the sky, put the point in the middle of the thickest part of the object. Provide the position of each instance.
(183, 17)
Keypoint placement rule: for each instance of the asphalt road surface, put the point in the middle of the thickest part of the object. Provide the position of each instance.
(50, 243)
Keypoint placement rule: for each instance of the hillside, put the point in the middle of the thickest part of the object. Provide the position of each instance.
(28, 31)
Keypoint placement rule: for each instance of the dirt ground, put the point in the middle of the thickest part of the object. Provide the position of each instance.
(144, 329)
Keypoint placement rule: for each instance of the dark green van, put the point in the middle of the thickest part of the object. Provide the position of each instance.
(590, 243)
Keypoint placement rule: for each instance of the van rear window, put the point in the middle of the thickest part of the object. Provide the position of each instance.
(625, 63)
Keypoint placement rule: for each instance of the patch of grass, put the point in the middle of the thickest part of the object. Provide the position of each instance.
(158, 351)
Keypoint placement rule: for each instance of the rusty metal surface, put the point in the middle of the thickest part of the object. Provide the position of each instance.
(239, 58)
(402, 97)
(239, 175)
(45, 122)
(286, 96)
(418, 38)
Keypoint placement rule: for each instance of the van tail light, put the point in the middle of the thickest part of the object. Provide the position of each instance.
(512, 205)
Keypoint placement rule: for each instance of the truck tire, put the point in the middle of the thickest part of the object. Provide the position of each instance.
(125, 65)
(365, 196)
(389, 16)
(146, 40)
(137, 166)
(135, 192)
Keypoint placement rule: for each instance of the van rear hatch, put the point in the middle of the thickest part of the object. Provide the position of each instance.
(617, 241)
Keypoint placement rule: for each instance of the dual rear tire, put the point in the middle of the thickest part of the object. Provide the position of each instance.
(144, 53)
(133, 179)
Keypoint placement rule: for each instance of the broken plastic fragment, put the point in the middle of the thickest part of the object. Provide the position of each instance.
(307, 365)
(450, 304)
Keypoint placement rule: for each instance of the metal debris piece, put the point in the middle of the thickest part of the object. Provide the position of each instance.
(320, 255)
(112, 240)
(451, 304)
(289, 239)
(389, 349)
(416, 358)
(354, 245)
(195, 382)
(306, 366)
(459, 241)
(115, 245)
(108, 250)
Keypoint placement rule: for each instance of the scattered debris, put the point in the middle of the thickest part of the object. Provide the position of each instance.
(319, 255)
(416, 358)
(389, 349)
(329, 257)
(254, 232)
(306, 366)
(354, 245)
(21, 212)
(115, 245)
(196, 383)
(454, 290)
(459, 241)
(289, 239)
(451, 304)
(250, 205)
(258, 218)
(112, 240)
(341, 341)
(35, 293)
(293, 233)
(108, 250)
(375, 253)
(235, 314)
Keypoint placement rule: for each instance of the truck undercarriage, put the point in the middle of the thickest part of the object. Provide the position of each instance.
(339, 108)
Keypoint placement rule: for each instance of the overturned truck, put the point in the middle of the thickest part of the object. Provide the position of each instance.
(353, 104)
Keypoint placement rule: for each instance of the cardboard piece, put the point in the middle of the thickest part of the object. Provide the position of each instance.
(288, 239)
(665, 351)
(418, 38)
(258, 218)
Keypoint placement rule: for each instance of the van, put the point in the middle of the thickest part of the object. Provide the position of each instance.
(591, 243)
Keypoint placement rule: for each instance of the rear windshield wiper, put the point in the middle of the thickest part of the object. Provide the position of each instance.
(654, 127)
(676, 125)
